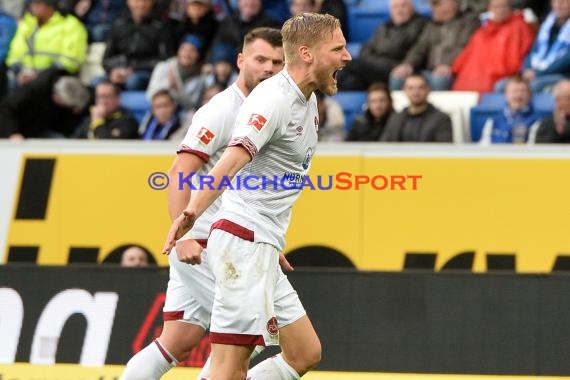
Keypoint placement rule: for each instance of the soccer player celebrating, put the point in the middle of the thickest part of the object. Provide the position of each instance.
(275, 135)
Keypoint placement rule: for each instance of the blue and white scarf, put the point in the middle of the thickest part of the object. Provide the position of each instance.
(543, 57)
(155, 131)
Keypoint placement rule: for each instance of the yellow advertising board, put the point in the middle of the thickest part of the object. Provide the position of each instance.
(23, 371)
(383, 212)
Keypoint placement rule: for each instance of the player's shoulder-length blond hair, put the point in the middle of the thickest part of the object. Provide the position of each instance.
(306, 29)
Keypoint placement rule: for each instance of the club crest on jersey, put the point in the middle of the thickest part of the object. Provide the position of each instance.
(205, 135)
(257, 121)
(272, 327)
(307, 159)
(299, 130)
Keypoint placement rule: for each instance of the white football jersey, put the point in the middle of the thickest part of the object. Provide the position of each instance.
(208, 137)
(277, 125)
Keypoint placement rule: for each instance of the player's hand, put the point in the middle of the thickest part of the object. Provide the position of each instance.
(284, 263)
(189, 251)
(180, 226)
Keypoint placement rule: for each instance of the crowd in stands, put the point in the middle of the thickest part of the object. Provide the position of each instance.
(180, 53)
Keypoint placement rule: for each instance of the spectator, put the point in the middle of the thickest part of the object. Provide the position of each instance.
(518, 122)
(7, 31)
(336, 8)
(278, 10)
(441, 41)
(420, 121)
(495, 51)
(549, 58)
(163, 119)
(250, 15)
(298, 7)
(47, 107)
(331, 119)
(134, 257)
(107, 119)
(199, 20)
(98, 16)
(223, 72)
(136, 43)
(370, 125)
(181, 74)
(221, 8)
(44, 39)
(385, 50)
(556, 128)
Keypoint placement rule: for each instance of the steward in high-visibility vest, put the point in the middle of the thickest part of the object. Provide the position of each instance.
(59, 41)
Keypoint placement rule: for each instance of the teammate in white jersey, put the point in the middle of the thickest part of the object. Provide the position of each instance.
(190, 290)
(273, 141)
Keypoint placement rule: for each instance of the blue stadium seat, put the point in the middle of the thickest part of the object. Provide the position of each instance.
(352, 103)
(363, 21)
(374, 3)
(491, 104)
(136, 102)
(354, 48)
(423, 7)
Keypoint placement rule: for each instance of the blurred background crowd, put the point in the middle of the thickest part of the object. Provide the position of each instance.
(482, 71)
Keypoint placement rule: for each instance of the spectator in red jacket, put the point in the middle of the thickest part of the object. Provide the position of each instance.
(496, 50)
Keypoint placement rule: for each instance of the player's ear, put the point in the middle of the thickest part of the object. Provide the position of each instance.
(306, 54)
(240, 60)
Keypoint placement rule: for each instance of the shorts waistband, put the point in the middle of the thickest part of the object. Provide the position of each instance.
(233, 228)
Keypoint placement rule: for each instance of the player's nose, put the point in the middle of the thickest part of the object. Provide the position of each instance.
(346, 57)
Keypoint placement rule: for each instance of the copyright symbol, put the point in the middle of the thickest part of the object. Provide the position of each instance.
(158, 181)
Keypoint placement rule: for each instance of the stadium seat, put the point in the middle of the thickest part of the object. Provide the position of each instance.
(136, 102)
(492, 104)
(352, 103)
(364, 19)
(457, 104)
(423, 7)
(354, 48)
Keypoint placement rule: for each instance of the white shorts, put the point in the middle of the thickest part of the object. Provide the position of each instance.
(190, 293)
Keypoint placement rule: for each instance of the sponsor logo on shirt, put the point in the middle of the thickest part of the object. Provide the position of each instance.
(205, 135)
(257, 121)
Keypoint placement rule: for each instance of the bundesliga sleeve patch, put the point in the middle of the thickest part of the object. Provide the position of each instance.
(257, 121)
(205, 135)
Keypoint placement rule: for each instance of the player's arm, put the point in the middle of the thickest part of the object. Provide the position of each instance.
(179, 196)
(231, 162)
(187, 251)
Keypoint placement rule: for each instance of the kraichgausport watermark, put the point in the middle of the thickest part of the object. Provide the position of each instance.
(287, 181)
